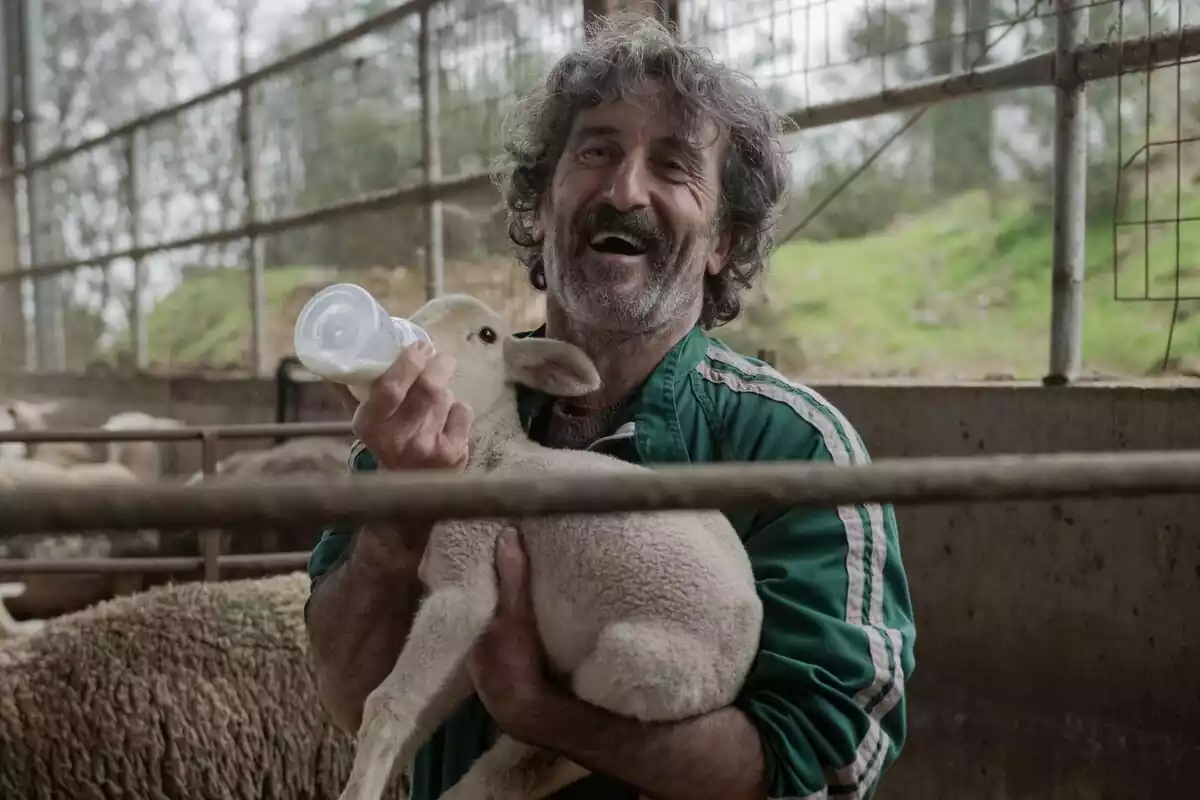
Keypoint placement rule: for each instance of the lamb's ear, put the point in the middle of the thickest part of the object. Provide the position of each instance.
(548, 365)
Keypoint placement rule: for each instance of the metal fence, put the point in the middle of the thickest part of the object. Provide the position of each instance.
(451, 38)
(210, 557)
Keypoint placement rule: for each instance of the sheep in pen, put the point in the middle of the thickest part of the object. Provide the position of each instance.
(207, 686)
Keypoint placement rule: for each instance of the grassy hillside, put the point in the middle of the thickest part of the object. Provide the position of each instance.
(964, 291)
(960, 291)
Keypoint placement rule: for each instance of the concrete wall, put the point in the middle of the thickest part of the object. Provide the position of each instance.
(1056, 640)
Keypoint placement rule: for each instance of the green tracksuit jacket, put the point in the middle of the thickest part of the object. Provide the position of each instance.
(826, 691)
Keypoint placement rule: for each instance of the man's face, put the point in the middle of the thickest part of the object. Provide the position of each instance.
(630, 218)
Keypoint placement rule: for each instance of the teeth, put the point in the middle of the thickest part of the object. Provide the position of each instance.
(600, 237)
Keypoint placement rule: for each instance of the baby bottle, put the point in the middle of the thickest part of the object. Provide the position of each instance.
(344, 335)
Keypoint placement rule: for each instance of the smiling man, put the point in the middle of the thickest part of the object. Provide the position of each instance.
(646, 179)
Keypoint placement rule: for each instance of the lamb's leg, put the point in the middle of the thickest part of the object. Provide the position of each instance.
(510, 770)
(645, 670)
(419, 692)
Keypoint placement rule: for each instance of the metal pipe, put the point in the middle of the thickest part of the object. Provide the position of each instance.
(358, 499)
(1070, 199)
(258, 333)
(149, 565)
(49, 342)
(432, 153)
(137, 309)
(376, 201)
(267, 430)
(210, 539)
(296, 59)
(1091, 62)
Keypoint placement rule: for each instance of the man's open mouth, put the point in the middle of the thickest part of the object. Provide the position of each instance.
(620, 244)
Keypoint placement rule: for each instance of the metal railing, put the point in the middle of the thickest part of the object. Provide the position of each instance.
(374, 497)
(211, 558)
(1067, 68)
(429, 193)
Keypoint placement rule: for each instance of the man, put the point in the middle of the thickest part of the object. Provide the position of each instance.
(646, 180)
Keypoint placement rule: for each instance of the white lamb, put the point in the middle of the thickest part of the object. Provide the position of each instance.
(144, 459)
(32, 472)
(651, 615)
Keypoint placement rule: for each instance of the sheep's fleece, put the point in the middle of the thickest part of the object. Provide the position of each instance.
(186, 692)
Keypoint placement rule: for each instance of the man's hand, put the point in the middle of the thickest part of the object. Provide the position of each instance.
(410, 419)
(508, 664)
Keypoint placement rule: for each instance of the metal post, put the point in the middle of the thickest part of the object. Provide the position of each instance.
(427, 65)
(50, 344)
(210, 539)
(258, 346)
(12, 310)
(1070, 197)
(137, 311)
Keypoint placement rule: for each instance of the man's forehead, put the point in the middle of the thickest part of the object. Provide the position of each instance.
(648, 113)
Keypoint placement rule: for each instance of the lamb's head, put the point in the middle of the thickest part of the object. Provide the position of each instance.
(490, 361)
(32, 416)
(20, 415)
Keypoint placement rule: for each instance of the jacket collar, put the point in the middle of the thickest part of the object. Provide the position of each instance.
(654, 417)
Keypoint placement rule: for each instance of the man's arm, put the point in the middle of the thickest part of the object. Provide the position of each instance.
(358, 617)
(716, 756)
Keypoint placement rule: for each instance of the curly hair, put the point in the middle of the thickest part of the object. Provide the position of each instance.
(620, 54)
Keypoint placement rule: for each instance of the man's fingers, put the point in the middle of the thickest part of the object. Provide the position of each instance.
(511, 573)
(392, 387)
(458, 422)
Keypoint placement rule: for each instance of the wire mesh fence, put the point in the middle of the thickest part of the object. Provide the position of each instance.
(281, 150)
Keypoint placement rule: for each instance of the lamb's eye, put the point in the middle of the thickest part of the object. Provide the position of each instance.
(487, 335)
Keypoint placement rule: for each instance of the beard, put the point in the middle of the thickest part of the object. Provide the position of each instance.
(660, 290)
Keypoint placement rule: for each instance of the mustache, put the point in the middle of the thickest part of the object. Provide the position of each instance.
(639, 224)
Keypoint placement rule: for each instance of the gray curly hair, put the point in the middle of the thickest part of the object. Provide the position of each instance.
(620, 54)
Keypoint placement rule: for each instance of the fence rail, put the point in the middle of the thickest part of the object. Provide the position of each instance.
(1069, 66)
(211, 558)
(433, 495)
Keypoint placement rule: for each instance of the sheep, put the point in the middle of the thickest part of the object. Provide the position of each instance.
(654, 616)
(10, 451)
(34, 472)
(20, 415)
(193, 691)
(9, 627)
(48, 594)
(143, 458)
(302, 457)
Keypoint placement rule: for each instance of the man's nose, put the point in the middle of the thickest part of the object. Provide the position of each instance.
(629, 188)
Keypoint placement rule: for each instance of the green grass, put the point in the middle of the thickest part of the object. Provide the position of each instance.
(206, 320)
(960, 291)
(964, 291)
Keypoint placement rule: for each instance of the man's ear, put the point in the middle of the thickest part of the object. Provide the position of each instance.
(719, 256)
(548, 365)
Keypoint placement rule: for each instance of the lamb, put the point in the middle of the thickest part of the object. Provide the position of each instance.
(33, 472)
(193, 691)
(144, 459)
(651, 615)
(20, 415)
